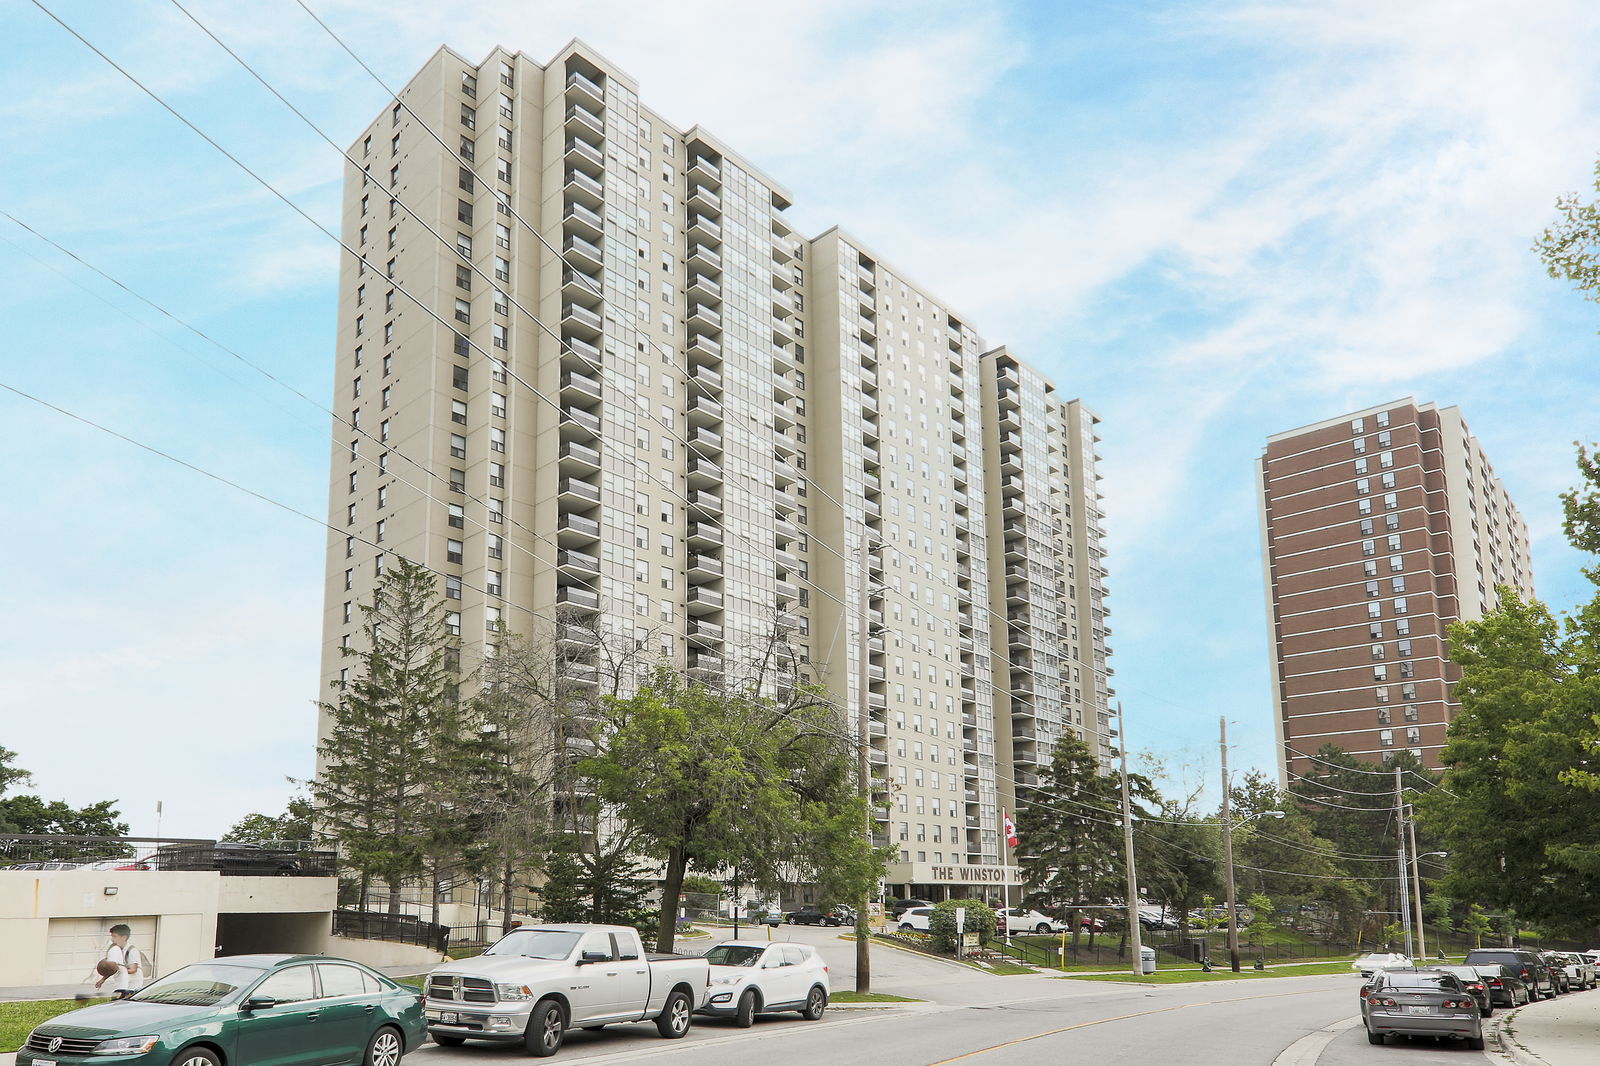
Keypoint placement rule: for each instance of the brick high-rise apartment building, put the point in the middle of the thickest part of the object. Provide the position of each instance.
(715, 427)
(1381, 528)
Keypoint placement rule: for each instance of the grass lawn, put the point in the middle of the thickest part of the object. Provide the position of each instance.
(1002, 968)
(17, 1020)
(870, 997)
(1179, 977)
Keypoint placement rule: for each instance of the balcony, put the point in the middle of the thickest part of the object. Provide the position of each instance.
(584, 220)
(704, 567)
(706, 667)
(578, 85)
(577, 423)
(708, 380)
(576, 529)
(704, 410)
(705, 318)
(705, 440)
(580, 285)
(575, 675)
(575, 456)
(580, 120)
(574, 596)
(704, 227)
(704, 287)
(704, 535)
(703, 633)
(574, 640)
(704, 350)
(705, 168)
(584, 156)
(579, 353)
(584, 189)
(703, 473)
(705, 503)
(704, 198)
(705, 257)
(577, 319)
(784, 500)
(571, 490)
(577, 562)
(572, 382)
(703, 600)
(586, 255)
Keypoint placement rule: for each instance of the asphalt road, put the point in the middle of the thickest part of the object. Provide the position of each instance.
(1010, 1021)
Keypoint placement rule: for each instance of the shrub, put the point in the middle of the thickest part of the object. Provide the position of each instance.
(942, 923)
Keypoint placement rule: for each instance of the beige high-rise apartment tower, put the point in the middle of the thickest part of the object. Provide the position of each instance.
(1381, 527)
(598, 383)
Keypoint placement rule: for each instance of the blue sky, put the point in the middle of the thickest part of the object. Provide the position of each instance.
(1212, 221)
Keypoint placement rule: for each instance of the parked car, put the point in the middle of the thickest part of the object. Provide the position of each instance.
(812, 915)
(254, 1008)
(1420, 1003)
(1091, 924)
(534, 984)
(1473, 982)
(902, 905)
(1529, 968)
(1586, 967)
(1506, 989)
(750, 978)
(1156, 918)
(1577, 972)
(1017, 920)
(227, 857)
(915, 919)
(1380, 960)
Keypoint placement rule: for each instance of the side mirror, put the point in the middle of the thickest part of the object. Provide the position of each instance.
(259, 1003)
(594, 956)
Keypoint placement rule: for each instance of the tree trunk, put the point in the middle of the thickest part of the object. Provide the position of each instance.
(435, 918)
(394, 894)
(505, 900)
(366, 888)
(671, 889)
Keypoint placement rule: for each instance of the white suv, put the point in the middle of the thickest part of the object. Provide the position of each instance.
(915, 919)
(751, 977)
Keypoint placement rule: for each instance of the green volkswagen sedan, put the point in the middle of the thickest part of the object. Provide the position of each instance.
(242, 1010)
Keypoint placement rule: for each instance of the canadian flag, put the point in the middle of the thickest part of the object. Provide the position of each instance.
(1011, 831)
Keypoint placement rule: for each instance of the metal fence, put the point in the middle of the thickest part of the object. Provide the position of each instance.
(43, 852)
(400, 928)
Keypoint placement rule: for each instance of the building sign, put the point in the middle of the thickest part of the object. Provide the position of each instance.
(922, 873)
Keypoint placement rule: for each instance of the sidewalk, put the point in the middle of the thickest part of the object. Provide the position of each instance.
(1559, 1032)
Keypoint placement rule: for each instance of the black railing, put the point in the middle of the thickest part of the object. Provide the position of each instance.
(399, 928)
(47, 852)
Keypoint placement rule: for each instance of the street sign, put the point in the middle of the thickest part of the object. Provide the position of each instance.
(961, 919)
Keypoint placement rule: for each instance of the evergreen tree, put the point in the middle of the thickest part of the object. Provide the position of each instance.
(395, 735)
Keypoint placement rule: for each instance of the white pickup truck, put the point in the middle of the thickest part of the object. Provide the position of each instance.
(540, 981)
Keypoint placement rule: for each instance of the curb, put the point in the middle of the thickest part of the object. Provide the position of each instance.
(1506, 1043)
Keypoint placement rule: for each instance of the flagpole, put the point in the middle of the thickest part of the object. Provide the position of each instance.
(1005, 867)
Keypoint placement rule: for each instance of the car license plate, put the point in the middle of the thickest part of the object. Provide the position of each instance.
(1419, 1010)
(44, 1062)
(448, 1017)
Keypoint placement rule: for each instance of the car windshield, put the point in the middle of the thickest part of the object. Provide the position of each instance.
(536, 944)
(204, 984)
(734, 955)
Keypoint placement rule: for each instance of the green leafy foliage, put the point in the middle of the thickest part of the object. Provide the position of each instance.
(295, 823)
(979, 919)
(28, 813)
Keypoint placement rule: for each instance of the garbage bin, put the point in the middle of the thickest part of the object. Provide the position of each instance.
(1147, 960)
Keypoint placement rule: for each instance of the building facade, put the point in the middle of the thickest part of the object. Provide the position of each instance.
(1381, 527)
(598, 383)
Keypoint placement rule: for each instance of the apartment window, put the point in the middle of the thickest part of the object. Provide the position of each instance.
(1366, 526)
(1370, 568)
(1382, 693)
(497, 476)
(1391, 500)
(1358, 425)
(505, 106)
(1388, 480)
(464, 212)
(458, 479)
(453, 550)
(383, 495)
(388, 269)
(349, 580)
(366, 149)
(459, 377)
(496, 546)
(458, 446)
(502, 235)
(1361, 466)
(1385, 439)
(386, 396)
(383, 430)
(452, 587)
(1375, 630)
(394, 237)
(1397, 584)
(497, 404)
(1385, 459)
(491, 582)
(1368, 548)
(496, 510)
(468, 149)
(502, 303)
(497, 439)
(457, 516)
(1403, 648)
(503, 139)
(1408, 669)
(1383, 419)
(1363, 485)
(469, 117)
(394, 175)
(463, 347)
(458, 412)
(1363, 506)
(1402, 626)
(464, 179)
(377, 565)
(1400, 605)
(1360, 444)
(388, 333)
(1384, 716)
(383, 524)
(361, 324)
(463, 311)
(1377, 651)
(349, 547)
(464, 278)
(502, 170)
(1394, 543)
(1372, 588)
(1391, 521)
(1374, 609)
(500, 336)
(1386, 737)
(1397, 562)
(1408, 691)
(502, 269)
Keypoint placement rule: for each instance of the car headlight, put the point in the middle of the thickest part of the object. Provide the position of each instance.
(512, 992)
(126, 1045)
(729, 980)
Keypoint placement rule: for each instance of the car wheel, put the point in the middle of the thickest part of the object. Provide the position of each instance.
(816, 1003)
(1041, 929)
(673, 1021)
(791, 919)
(745, 1015)
(547, 1027)
(1487, 1012)
(196, 1056)
(446, 1040)
(385, 1047)
(1374, 1038)
(905, 927)
(1475, 1043)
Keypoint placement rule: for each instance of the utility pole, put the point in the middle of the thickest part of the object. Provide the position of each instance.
(1132, 889)
(1227, 848)
(1416, 882)
(1405, 892)
(864, 774)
